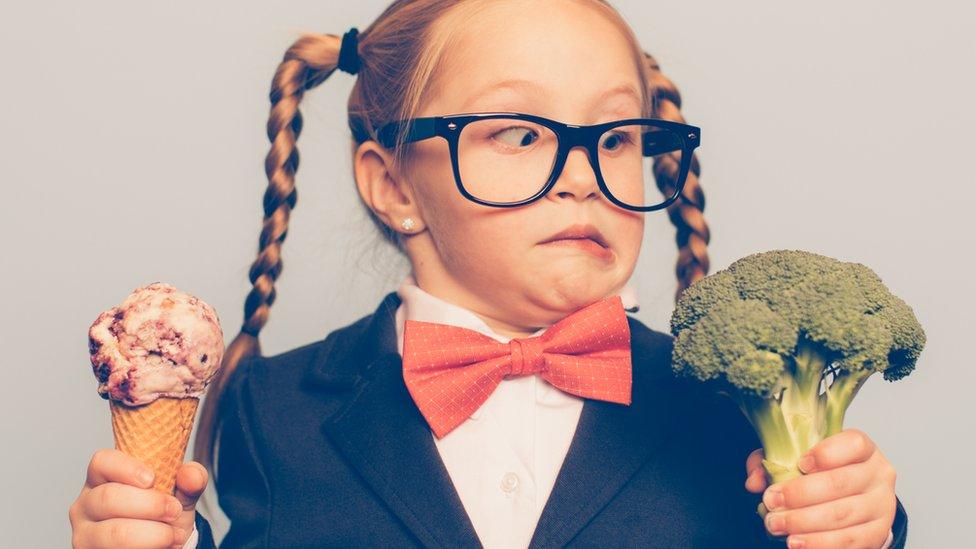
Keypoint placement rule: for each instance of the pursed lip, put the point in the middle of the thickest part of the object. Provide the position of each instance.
(579, 231)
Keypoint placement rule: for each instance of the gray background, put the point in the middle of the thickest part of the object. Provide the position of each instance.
(133, 141)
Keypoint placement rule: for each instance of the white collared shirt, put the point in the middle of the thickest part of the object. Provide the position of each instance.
(504, 459)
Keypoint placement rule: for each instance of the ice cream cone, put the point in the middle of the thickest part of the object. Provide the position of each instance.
(157, 434)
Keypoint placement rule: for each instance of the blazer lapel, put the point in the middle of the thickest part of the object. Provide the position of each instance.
(385, 438)
(611, 443)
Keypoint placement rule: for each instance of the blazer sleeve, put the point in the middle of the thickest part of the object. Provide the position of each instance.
(899, 528)
(242, 486)
(204, 536)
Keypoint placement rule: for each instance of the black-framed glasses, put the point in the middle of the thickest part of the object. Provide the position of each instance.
(508, 159)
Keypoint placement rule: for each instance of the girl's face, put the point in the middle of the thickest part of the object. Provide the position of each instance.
(563, 57)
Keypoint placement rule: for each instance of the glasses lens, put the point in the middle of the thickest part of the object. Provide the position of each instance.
(627, 156)
(505, 159)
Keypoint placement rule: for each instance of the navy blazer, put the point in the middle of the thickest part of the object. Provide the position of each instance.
(322, 446)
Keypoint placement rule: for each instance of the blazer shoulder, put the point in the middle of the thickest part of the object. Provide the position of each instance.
(651, 349)
(289, 368)
(641, 333)
(274, 392)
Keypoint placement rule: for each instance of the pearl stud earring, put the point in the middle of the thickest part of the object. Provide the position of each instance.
(407, 224)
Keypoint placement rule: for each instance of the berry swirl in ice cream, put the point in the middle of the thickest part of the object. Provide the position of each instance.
(159, 342)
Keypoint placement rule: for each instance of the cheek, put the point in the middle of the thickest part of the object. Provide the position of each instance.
(479, 239)
(432, 180)
(465, 234)
(631, 232)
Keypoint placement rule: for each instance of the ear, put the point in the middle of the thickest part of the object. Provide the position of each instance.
(383, 189)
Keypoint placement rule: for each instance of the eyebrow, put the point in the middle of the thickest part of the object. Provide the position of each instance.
(533, 88)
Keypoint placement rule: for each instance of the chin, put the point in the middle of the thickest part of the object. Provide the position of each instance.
(572, 293)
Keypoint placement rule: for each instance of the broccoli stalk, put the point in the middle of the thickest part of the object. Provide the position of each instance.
(791, 420)
(791, 337)
(834, 403)
(799, 415)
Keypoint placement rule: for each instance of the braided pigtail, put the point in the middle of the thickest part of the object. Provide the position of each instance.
(306, 64)
(685, 213)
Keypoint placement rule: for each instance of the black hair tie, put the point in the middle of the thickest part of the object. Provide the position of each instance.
(349, 52)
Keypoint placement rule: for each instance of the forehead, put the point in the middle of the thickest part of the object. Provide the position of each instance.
(561, 59)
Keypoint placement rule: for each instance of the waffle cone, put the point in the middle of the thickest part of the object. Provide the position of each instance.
(157, 434)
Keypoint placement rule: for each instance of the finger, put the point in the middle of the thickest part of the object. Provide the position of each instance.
(756, 481)
(869, 535)
(754, 460)
(117, 500)
(832, 515)
(133, 534)
(191, 481)
(819, 487)
(111, 465)
(846, 447)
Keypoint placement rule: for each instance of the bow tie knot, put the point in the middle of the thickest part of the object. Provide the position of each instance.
(526, 356)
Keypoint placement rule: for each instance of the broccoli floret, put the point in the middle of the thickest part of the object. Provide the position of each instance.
(791, 336)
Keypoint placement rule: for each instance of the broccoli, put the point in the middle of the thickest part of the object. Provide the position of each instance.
(791, 336)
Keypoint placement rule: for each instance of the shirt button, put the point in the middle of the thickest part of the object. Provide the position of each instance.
(509, 482)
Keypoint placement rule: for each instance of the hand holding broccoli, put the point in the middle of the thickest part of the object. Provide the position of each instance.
(845, 498)
(791, 336)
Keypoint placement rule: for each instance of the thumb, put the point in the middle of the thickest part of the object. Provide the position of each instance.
(191, 481)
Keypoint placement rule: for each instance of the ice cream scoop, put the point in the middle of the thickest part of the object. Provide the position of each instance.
(158, 342)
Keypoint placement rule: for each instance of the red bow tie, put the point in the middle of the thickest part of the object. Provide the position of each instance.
(451, 371)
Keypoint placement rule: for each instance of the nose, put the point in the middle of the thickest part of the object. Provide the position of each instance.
(577, 178)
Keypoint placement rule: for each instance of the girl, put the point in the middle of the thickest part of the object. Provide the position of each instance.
(522, 230)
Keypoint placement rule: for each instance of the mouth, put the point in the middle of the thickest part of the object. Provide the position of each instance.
(579, 232)
(582, 237)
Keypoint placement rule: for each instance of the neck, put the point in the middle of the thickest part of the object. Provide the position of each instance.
(446, 290)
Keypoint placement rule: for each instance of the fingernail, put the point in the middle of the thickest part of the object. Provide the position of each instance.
(145, 476)
(806, 463)
(173, 509)
(180, 535)
(795, 543)
(773, 498)
(775, 523)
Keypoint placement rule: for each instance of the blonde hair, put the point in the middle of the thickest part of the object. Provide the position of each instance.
(399, 55)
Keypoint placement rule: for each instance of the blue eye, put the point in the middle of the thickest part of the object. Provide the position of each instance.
(515, 139)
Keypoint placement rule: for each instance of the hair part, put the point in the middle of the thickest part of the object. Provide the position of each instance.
(400, 53)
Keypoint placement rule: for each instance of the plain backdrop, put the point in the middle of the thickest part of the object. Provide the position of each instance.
(133, 144)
